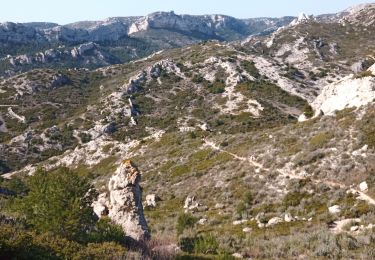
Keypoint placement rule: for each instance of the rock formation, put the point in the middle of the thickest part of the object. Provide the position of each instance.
(123, 202)
(351, 91)
(151, 200)
(302, 18)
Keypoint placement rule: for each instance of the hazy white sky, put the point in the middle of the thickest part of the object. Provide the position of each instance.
(66, 11)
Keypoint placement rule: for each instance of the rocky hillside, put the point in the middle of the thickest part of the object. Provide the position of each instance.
(93, 44)
(261, 148)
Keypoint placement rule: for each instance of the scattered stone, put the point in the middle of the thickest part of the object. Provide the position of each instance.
(334, 209)
(151, 200)
(190, 203)
(204, 127)
(237, 255)
(239, 222)
(363, 186)
(202, 221)
(354, 228)
(274, 221)
(247, 230)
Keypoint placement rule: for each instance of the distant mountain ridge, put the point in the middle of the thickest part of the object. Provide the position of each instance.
(93, 44)
(24, 46)
(209, 26)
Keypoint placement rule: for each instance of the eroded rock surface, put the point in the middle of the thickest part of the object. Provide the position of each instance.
(123, 203)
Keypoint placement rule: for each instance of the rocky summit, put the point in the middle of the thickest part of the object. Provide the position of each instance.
(173, 136)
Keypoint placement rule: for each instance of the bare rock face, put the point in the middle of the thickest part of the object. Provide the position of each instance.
(123, 203)
(350, 91)
(125, 200)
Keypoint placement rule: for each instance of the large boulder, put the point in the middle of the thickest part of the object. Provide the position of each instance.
(125, 198)
(123, 202)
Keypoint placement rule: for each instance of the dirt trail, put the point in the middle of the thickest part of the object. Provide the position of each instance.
(360, 195)
(244, 159)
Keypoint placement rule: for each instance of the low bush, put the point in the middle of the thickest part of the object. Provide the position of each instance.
(185, 221)
(320, 140)
(203, 244)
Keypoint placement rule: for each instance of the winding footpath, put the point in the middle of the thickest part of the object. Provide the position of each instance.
(360, 195)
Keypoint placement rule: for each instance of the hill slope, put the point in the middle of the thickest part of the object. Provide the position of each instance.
(262, 148)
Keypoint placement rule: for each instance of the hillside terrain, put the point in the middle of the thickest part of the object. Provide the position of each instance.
(93, 44)
(254, 138)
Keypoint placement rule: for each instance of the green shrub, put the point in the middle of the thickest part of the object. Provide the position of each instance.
(308, 111)
(293, 199)
(58, 202)
(185, 221)
(320, 140)
(203, 244)
(85, 137)
(245, 204)
(206, 244)
(294, 73)
(217, 87)
(104, 251)
(197, 79)
(250, 68)
(105, 231)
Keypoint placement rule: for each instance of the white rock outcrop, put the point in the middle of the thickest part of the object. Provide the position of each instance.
(274, 221)
(302, 18)
(363, 186)
(335, 209)
(101, 205)
(125, 198)
(239, 222)
(151, 200)
(202, 221)
(123, 203)
(190, 203)
(247, 230)
(12, 114)
(348, 92)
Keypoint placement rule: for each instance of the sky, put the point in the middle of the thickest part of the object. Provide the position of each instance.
(67, 11)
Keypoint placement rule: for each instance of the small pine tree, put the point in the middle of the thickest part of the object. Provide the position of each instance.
(59, 202)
